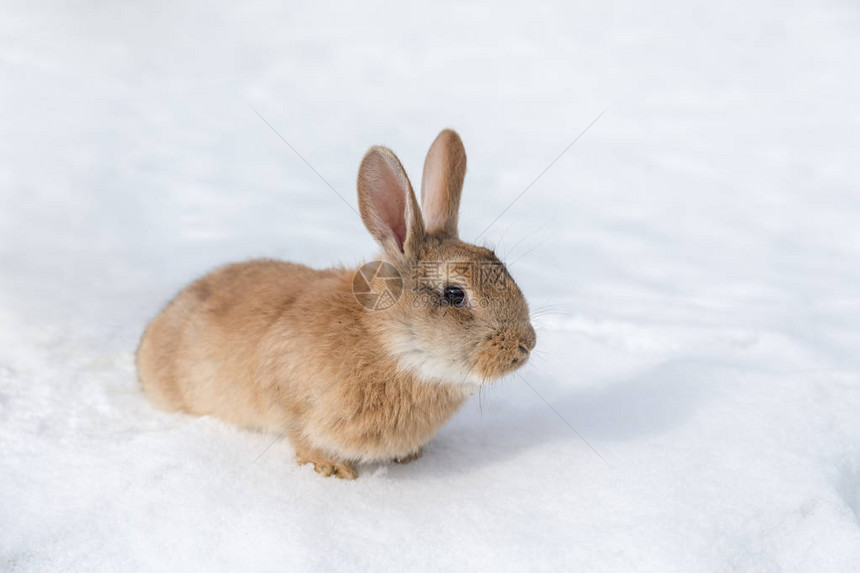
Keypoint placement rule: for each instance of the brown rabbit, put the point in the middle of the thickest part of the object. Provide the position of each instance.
(286, 348)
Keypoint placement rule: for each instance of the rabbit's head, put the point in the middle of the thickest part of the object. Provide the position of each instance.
(460, 317)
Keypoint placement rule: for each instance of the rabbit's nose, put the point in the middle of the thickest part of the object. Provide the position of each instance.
(525, 344)
(528, 339)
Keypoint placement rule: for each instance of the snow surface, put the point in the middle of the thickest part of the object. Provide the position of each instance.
(694, 258)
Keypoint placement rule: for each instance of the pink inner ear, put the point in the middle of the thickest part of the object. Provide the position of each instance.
(390, 204)
(435, 208)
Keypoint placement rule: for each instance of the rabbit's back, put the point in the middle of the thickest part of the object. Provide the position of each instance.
(201, 353)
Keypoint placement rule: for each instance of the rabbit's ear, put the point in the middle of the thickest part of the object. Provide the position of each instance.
(387, 203)
(442, 183)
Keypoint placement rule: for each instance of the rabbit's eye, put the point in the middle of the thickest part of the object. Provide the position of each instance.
(453, 296)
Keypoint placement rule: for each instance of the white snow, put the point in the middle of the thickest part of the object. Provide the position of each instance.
(696, 256)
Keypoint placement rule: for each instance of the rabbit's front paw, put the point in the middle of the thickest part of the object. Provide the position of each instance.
(409, 458)
(325, 466)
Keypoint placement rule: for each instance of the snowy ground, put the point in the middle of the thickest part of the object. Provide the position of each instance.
(696, 254)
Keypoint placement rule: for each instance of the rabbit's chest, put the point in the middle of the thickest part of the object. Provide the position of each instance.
(388, 420)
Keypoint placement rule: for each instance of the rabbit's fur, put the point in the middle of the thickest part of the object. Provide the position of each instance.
(286, 348)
